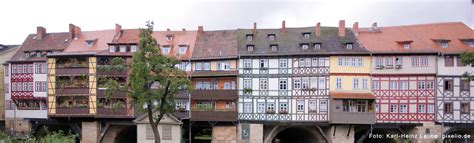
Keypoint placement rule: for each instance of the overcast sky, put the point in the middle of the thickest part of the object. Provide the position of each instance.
(18, 18)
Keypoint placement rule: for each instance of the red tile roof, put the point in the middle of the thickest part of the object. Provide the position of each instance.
(51, 42)
(351, 95)
(102, 38)
(423, 38)
(216, 44)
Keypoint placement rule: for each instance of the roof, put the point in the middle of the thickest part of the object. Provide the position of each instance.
(51, 42)
(351, 95)
(289, 42)
(127, 36)
(216, 45)
(100, 41)
(424, 38)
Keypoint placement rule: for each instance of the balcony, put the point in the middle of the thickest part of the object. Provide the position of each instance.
(72, 111)
(214, 95)
(108, 70)
(181, 114)
(120, 94)
(113, 113)
(70, 91)
(353, 117)
(223, 115)
(72, 71)
(214, 73)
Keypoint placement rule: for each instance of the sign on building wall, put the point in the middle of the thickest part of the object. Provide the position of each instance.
(245, 131)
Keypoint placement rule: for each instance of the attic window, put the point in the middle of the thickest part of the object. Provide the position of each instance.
(317, 46)
(274, 47)
(249, 37)
(406, 46)
(38, 54)
(271, 37)
(169, 37)
(182, 49)
(27, 54)
(250, 48)
(349, 46)
(471, 43)
(111, 49)
(166, 50)
(444, 44)
(307, 35)
(304, 46)
(133, 48)
(123, 48)
(90, 43)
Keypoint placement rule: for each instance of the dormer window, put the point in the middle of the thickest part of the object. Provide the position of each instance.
(27, 54)
(471, 43)
(38, 54)
(250, 48)
(348, 46)
(169, 37)
(406, 46)
(444, 44)
(123, 48)
(249, 37)
(304, 46)
(182, 49)
(274, 47)
(90, 43)
(133, 48)
(166, 50)
(271, 37)
(307, 35)
(317, 46)
(111, 49)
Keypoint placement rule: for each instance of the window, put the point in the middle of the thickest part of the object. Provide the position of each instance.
(393, 108)
(465, 109)
(465, 84)
(169, 37)
(223, 65)
(375, 85)
(317, 46)
(249, 37)
(274, 47)
(355, 83)
(183, 49)
(353, 62)
(123, 48)
(297, 84)
(338, 83)
(415, 62)
(346, 62)
(260, 107)
(393, 85)
(424, 61)
(305, 84)
(459, 62)
(283, 107)
(250, 48)
(403, 85)
(349, 46)
(206, 85)
(448, 85)
(271, 37)
(389, 61)
(283, 63)
(19, 69)
(322, 63)
(403, 108)
(166, 50)
(247, 63)
(263, 63)
(339, 61)
(398, 61)
(247, 107)
(448, 61)
(421, 85)
(444, 44)
(421, 108)
(430, 85)
(270, 106)
(314, 62)
(167, 132)
(207, 66)
(25, 68)
(379, 62)
(364, 83)
(263, 84)
(227, 85)
(360, 62)
(304, 46)
(149, 133)
(6, 71)
(430, 108)
(312, 105)
(283, 85)
(306, 35)
(247, 84)
(14, 86)
(322, 83)
(471, 43)
(7, 88)
(133, 48)
(406, 46)
(300, 105)
(448, 108)
(198, 66)
(361, 106)
(323, 106)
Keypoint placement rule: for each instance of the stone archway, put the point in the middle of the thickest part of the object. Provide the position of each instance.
(297, 134)
(120, 134)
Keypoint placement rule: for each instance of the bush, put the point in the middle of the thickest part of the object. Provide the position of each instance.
(58, 137)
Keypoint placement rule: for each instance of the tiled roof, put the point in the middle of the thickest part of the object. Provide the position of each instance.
(289, 42)
(51, 42)
(130, 36)
(100, 42)
(423, 38)
(215, 45)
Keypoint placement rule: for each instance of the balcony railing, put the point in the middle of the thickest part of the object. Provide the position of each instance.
(72, 111)
(75, 70)
(107, 70)
(353, 117)
(109, 112)
(214, 115)
(209, 73)
(214, 95)
(72, 90)
(101, 93)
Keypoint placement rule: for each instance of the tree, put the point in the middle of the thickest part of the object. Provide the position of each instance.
(153, 80)
(468, 58)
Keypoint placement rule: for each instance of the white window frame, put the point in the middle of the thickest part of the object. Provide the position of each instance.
(198, 66)
(323, 106)
(261, 107)
(247, 107)
(421, 85)
(247, 63)
(338, 83)
(263, 84)
(283, 63)
(444, 44)
(166, 50)
(365, 83)
(263, 63)
(296, 83)
(424, 61)
(270, 106)
(133, 48)
(430, 108)
(403, 108)
(421, 108)
(283, 106)
(305, 83)
(122, 48)
(312, 105)
(355, 83)
(415, 61)
(112, 49)
(247, 84)
(304, 46)
(393, 85)
(207, 66)
(283, 84)
(300, 105)
(404, 85)
(393, 108)
(183, 49)
(406, 46)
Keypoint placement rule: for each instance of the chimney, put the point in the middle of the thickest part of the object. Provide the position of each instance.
(283, 27)
(184, 29)
(318, 29)
(200, 29)
(118, 28)
(342, 28)
(75, 31)
(374, 25)
(355, 28)
(40, 32)
(254, 28)
(167, 29)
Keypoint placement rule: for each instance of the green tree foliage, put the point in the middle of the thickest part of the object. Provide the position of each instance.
(468, 59)
(153, 80)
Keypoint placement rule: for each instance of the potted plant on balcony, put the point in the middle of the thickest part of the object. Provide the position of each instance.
(247, 91)
(270, 111)
(81, 106)
(283, 112)
(181, 109)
